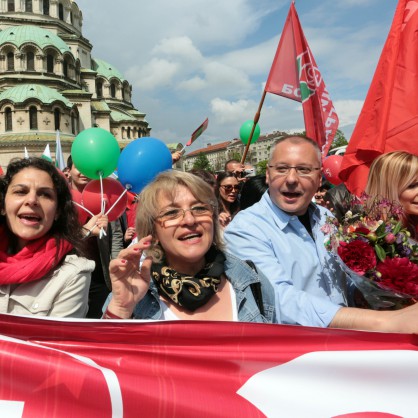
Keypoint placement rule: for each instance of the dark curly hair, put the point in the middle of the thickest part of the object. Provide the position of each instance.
(66, 226)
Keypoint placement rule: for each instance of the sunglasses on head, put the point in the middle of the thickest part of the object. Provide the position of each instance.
(229, 187)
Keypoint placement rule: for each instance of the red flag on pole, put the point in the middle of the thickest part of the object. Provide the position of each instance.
(389, 118)
(295, 75)
(198, 132)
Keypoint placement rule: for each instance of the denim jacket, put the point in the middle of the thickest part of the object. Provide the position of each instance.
(241, 276)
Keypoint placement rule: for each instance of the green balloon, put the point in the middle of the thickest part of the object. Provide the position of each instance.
(95, 152)
(245, 132)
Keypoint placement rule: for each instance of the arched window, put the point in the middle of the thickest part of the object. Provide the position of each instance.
(65, 68)
(46, 7)
(10, 5)
(57, 118)
(50, 63)
(99, 89)
(113, 90)
(28, 6)
(129, 133)
(61, 11)
(71, 17)
(8, 122)
(30, 61)
(73, 123)
(10, 61)
(33, 117)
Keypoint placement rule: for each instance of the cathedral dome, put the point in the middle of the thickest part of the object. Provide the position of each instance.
(20, 35)
(106, 70)
(23, 92)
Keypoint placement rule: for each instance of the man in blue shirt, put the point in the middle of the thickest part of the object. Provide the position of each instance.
(281, 234)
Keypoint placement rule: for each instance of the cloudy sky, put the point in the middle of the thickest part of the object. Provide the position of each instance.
(192, 59)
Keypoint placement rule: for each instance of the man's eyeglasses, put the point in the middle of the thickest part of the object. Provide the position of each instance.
(301, 170)
(229, 187)
(178, 214)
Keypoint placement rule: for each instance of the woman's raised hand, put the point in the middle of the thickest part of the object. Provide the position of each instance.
(96, 223)
(130, 282)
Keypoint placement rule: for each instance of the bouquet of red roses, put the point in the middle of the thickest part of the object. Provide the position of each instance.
(374, 248)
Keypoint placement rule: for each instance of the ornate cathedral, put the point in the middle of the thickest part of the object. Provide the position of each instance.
(50, 82)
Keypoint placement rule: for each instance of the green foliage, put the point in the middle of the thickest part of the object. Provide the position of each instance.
(261, 167)
(339, 140)
(202, 162)
(235, 156)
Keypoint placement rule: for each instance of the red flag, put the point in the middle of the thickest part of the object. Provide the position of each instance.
(198, 132)
(295, 75)
(180, 369)
(389, 118)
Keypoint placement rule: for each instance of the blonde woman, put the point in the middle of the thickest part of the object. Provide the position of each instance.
(394, 176)
(186, 273)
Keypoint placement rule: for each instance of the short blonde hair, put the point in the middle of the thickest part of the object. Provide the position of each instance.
(390, 174)
(166, 183)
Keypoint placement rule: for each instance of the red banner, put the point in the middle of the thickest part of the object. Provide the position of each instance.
(389, 118)
(295, 75)
(109, 369)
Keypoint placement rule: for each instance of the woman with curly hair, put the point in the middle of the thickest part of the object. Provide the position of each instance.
(42, 271)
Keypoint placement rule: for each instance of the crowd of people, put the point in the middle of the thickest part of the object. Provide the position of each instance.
(194, 246)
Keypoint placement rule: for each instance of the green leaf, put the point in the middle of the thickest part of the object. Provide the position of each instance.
(381, 231)
(381, 254)
(397, 228)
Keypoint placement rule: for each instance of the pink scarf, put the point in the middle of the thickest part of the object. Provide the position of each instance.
(31, 263)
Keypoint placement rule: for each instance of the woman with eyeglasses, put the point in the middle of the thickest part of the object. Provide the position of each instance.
(185, 273)
(227, 192)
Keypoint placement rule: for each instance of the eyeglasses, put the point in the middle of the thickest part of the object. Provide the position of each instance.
(178, 214)
(229, 187)
(301, 170)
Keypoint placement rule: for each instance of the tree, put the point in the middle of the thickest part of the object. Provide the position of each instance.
(236, 156)
(202, 162)
(262, 167)
(339, 140)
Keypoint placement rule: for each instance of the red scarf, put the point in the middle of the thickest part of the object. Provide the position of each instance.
(33, 261)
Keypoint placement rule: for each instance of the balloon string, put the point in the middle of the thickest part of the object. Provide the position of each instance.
(102, 201)
(102, 232)
(120, 197)
(82, 207)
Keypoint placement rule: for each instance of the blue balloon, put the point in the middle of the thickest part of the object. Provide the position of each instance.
(141, 161)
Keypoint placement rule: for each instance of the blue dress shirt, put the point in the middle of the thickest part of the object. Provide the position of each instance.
(309, 286)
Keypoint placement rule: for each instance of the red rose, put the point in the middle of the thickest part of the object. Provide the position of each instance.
(362, 230)
(357, 255)
(399, 274)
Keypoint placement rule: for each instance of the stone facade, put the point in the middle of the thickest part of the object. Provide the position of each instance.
(49, 81)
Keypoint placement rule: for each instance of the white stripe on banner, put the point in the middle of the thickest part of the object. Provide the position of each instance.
(334, 383)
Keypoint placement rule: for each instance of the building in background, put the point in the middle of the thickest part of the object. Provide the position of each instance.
(49, 81)
(219, 154)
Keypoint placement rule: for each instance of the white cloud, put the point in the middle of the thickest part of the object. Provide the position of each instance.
(227, 112)
(348, 110)
(193, 84)
(178, 48)
(158, 73)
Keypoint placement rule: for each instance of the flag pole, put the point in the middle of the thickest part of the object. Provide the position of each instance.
(256, 118)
